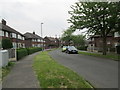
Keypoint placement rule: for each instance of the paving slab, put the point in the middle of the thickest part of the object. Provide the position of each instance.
(22, 74)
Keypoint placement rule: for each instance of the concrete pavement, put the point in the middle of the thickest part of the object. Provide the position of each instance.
(22, 75)
(101, 73)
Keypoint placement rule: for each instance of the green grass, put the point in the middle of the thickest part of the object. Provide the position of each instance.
(109, 56)
(53, 75)
(6, 70)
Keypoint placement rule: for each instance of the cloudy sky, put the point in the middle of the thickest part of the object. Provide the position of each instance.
(27, 15)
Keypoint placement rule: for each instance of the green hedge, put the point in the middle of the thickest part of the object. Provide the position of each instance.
(82, 48)
(22, 52)
(6, 43)
(33, 50)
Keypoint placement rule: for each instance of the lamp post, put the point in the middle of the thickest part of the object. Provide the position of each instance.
(42, 36)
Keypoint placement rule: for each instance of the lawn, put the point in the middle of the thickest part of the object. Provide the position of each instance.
(53, 75)
(109, 56)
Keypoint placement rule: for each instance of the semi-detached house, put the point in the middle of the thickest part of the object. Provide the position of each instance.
(33, 40)
(96, 42)
(18, 39)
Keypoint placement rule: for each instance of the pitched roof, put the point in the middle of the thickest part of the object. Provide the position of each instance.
(31, 35)
(51, 38)
(9, 29)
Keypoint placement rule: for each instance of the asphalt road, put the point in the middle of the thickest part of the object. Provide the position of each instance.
(101, 73)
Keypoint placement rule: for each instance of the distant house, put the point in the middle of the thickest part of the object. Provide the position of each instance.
(18, 39)
(52, 42)
(96, 43)
(33, 40)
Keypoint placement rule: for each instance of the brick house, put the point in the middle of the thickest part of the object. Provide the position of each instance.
(51, 42)
(96, 43)
(33, 40)
(18, 39)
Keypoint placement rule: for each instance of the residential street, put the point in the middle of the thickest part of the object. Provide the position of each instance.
(101, 73)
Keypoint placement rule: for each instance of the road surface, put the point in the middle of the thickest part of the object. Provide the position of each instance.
(101, 73)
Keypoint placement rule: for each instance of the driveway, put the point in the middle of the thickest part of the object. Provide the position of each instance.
(101, 73)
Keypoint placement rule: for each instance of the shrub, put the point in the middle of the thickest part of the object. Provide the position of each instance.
(6, 43)
(33, 50)
(21, 53)
(82, 48)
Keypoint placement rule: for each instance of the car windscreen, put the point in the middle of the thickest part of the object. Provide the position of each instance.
(72, 48)
(64, 46)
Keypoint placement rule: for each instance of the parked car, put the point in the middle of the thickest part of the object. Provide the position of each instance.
(71, 49)
(64, 48)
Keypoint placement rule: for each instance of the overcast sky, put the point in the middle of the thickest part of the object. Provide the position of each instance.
(27, 15)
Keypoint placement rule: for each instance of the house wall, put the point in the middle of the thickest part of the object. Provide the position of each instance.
(96, 44)
(51, 44)
(28, 43)
(17, 43)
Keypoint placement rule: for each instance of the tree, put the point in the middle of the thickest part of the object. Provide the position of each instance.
(6, 44)
(98, 17)
(67, 35)
(78, 40)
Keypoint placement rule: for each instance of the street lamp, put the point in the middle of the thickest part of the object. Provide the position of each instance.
(42, 36)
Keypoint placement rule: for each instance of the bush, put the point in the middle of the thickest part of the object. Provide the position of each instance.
(33, 50)
(21, 53)
(6, 43)
(82, 48)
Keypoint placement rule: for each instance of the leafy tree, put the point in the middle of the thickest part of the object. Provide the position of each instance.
(78, 40)
(6, 44)
(98, 17)
(67, 35)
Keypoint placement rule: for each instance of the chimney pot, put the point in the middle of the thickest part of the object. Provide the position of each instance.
(3, 22)
(33, 32)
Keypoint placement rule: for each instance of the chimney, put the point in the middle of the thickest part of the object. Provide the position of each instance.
(3, 22)
(33, 32)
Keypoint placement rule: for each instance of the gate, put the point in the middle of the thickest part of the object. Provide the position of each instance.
(12, 54)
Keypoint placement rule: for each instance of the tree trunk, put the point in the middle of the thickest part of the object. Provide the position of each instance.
(104, 46)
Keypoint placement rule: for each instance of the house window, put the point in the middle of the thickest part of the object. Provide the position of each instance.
(19, 37)
(33, 45)
(23, 45)
(41, 40)
(23, 38)
(13, 35)
(2, 33)
(33, 40)
(6, 34)
(108, 42)
(38, 40)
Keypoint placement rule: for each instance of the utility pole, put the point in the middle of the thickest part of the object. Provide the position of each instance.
(42, 38)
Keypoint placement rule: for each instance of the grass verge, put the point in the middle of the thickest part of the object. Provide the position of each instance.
(6, 70)
(53, 75)
(109, 56)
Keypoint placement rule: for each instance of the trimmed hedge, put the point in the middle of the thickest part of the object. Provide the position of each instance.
(82, 48)
(33, 50)
(22, 52)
